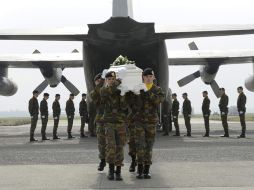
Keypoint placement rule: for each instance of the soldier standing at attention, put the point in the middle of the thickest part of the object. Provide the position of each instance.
(147, 119)
(206, 113)
(33, 108)
(83, 115)
(70, 112)
(187, 113)
(56, 115)
(223, 105)
(44, 115)
(175, 113)
(115, 109)
(241, 102)
(100, 129)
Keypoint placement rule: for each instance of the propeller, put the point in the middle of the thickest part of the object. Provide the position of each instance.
(69, 86)
(64, 80)
(186, 80)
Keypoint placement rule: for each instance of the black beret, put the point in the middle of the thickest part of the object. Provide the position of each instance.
(57, 95)
(148, 71)
(45, 94)
(205, 92)
(174, 94)
(223, 89)
(185, 94)
(84, 94)
(98, 76)
(72, 95)
(110, 74)
(35, 92)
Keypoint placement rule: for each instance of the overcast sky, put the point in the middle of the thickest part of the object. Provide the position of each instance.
(43, 14)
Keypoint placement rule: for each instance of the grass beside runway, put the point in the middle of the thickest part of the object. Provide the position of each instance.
(14, 121)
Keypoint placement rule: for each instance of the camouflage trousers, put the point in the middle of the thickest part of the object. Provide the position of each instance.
(115, 141)
(145, 137)
(132, 140)
(101, 139)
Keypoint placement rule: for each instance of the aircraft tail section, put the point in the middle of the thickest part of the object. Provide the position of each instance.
(122, 8)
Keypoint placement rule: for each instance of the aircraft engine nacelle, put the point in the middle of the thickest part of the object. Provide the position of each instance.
(7, 87)
(208, 73)
(53, 76)
(249, 83)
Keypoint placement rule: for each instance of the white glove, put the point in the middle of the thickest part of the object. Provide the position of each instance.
(174, 117)
(189, 115)
(69, 117)
(43, 116)
(81, 116)
(206, 115)
(55, 117)
(223, 113)
(240, 112)
(32, 117)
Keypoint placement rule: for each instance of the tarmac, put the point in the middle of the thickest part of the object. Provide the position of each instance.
(179, 163)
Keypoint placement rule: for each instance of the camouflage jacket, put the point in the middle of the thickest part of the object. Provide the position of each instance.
(33, 106)
(96, 98)
(206, 106)
(44, 108)
(147, 104)
(241, 101)
(115, 105)
(56, 109)
(70, 109)
(175, 108)
(223, 104)
(186, 107)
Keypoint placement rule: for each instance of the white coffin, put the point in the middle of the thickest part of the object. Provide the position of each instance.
(131, 77)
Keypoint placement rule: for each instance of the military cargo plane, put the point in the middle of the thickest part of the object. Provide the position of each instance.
(122, 35)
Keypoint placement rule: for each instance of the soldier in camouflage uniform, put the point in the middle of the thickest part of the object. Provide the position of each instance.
(100, 129)
(187, 113)
(115, 109)
(83, 115)
(33, 108)
(241, 102)
(175, 113)
(223, 105)
(70, 112)
(131, 99)
(44, 115)
(146, 121)
(56, 115)
(206, 112)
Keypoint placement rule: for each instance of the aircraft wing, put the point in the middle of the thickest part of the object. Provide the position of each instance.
(198, 57)
(176, 32)
(57, 34)
(70, 60)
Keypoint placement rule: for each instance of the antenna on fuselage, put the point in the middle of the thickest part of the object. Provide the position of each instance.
(122, 8)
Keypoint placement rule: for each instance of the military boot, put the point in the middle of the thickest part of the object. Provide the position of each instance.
(118, 174)
(44, 138)
(133, 164)
(177, 134)
(147, 174)
(241, 136)
(111, 172)
(102, 164)
(140, 172)
(32, 139)
(55, 137)
(70, 136)
(206, 134)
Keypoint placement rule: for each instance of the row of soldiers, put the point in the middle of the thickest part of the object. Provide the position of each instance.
(117, 114)
(223, 106)
(34, 110)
